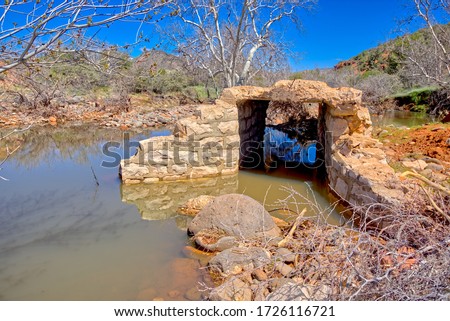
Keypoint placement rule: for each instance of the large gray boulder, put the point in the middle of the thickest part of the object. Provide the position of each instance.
(236, 215)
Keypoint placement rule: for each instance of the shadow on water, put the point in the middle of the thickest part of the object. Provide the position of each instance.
(62, 237)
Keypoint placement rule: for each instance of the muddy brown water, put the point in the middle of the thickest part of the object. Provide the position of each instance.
(400, 118)
(62, 237)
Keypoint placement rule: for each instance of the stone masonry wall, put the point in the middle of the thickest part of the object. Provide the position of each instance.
(203, 145)
(208, 144)
(252, 123)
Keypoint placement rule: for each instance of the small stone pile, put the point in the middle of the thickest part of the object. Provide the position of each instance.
(253, 261)
(250, 258)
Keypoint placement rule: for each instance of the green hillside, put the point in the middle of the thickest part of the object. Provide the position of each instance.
(386, 74)
(389, 56)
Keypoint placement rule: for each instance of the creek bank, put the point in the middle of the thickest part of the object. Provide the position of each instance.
(424, 149)
(310, 261)
(134, 118)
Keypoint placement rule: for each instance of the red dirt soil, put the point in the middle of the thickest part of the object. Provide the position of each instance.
(428, 140)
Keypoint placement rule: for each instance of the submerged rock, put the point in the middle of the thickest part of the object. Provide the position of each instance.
(195, 205)
(236, 215)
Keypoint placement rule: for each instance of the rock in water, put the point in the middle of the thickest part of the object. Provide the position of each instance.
(236, 215)
(195, 205)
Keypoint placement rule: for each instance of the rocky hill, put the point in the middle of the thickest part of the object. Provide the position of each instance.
(389, 79)
(388, 57)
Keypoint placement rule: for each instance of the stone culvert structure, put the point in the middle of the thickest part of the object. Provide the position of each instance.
(221, 138)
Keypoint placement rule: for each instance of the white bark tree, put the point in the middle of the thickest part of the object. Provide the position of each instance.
(234, 39)
(31, 28)
(429, 57)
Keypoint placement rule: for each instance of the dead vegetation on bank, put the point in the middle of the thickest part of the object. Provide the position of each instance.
(402, 253)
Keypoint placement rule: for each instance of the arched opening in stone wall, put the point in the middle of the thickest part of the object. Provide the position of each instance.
(277, 134)
(356, 166)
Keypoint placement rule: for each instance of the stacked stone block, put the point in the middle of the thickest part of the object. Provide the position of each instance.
(203, 145)
(219, 138)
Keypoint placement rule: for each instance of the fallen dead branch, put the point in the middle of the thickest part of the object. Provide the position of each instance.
(433, 203)
(406, 259)
(426, 181)
(288, 237)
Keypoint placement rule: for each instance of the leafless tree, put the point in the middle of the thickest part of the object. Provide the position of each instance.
(49, 80)
(30, 28)
(429, 56)
(234, 39)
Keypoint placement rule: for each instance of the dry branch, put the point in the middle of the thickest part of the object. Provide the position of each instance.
(426, 181)
(288, 237)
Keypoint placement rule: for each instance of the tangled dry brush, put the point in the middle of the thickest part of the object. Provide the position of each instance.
(400, 252)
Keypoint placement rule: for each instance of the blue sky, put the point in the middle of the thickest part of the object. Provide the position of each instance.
(340, 29)
(335, 30)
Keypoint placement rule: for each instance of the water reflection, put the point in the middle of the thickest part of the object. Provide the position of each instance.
(284, 147)
(62, 237)
(161, 200)
(400, 118)
(284, 192)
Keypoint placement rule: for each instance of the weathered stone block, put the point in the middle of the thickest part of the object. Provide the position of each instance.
(231, 113)
(179, 169)
(341, 188)
(131, 170)
(342, 110)
(204, 171)
(362, 195)
(230, 171)
(155, 143)
(338, 126)
(181, 157)
(132, 181)
(190, 126)
(229, 127)
(157, 171)
(172, 178)
(232, 140)
(210, 112)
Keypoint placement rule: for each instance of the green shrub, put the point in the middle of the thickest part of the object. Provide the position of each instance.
(419, 108)
(420, 97)
(161, 82)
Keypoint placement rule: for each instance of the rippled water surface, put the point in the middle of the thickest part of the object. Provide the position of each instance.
(63, 237)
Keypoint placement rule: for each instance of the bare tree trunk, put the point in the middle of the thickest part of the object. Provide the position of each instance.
(234, 39)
